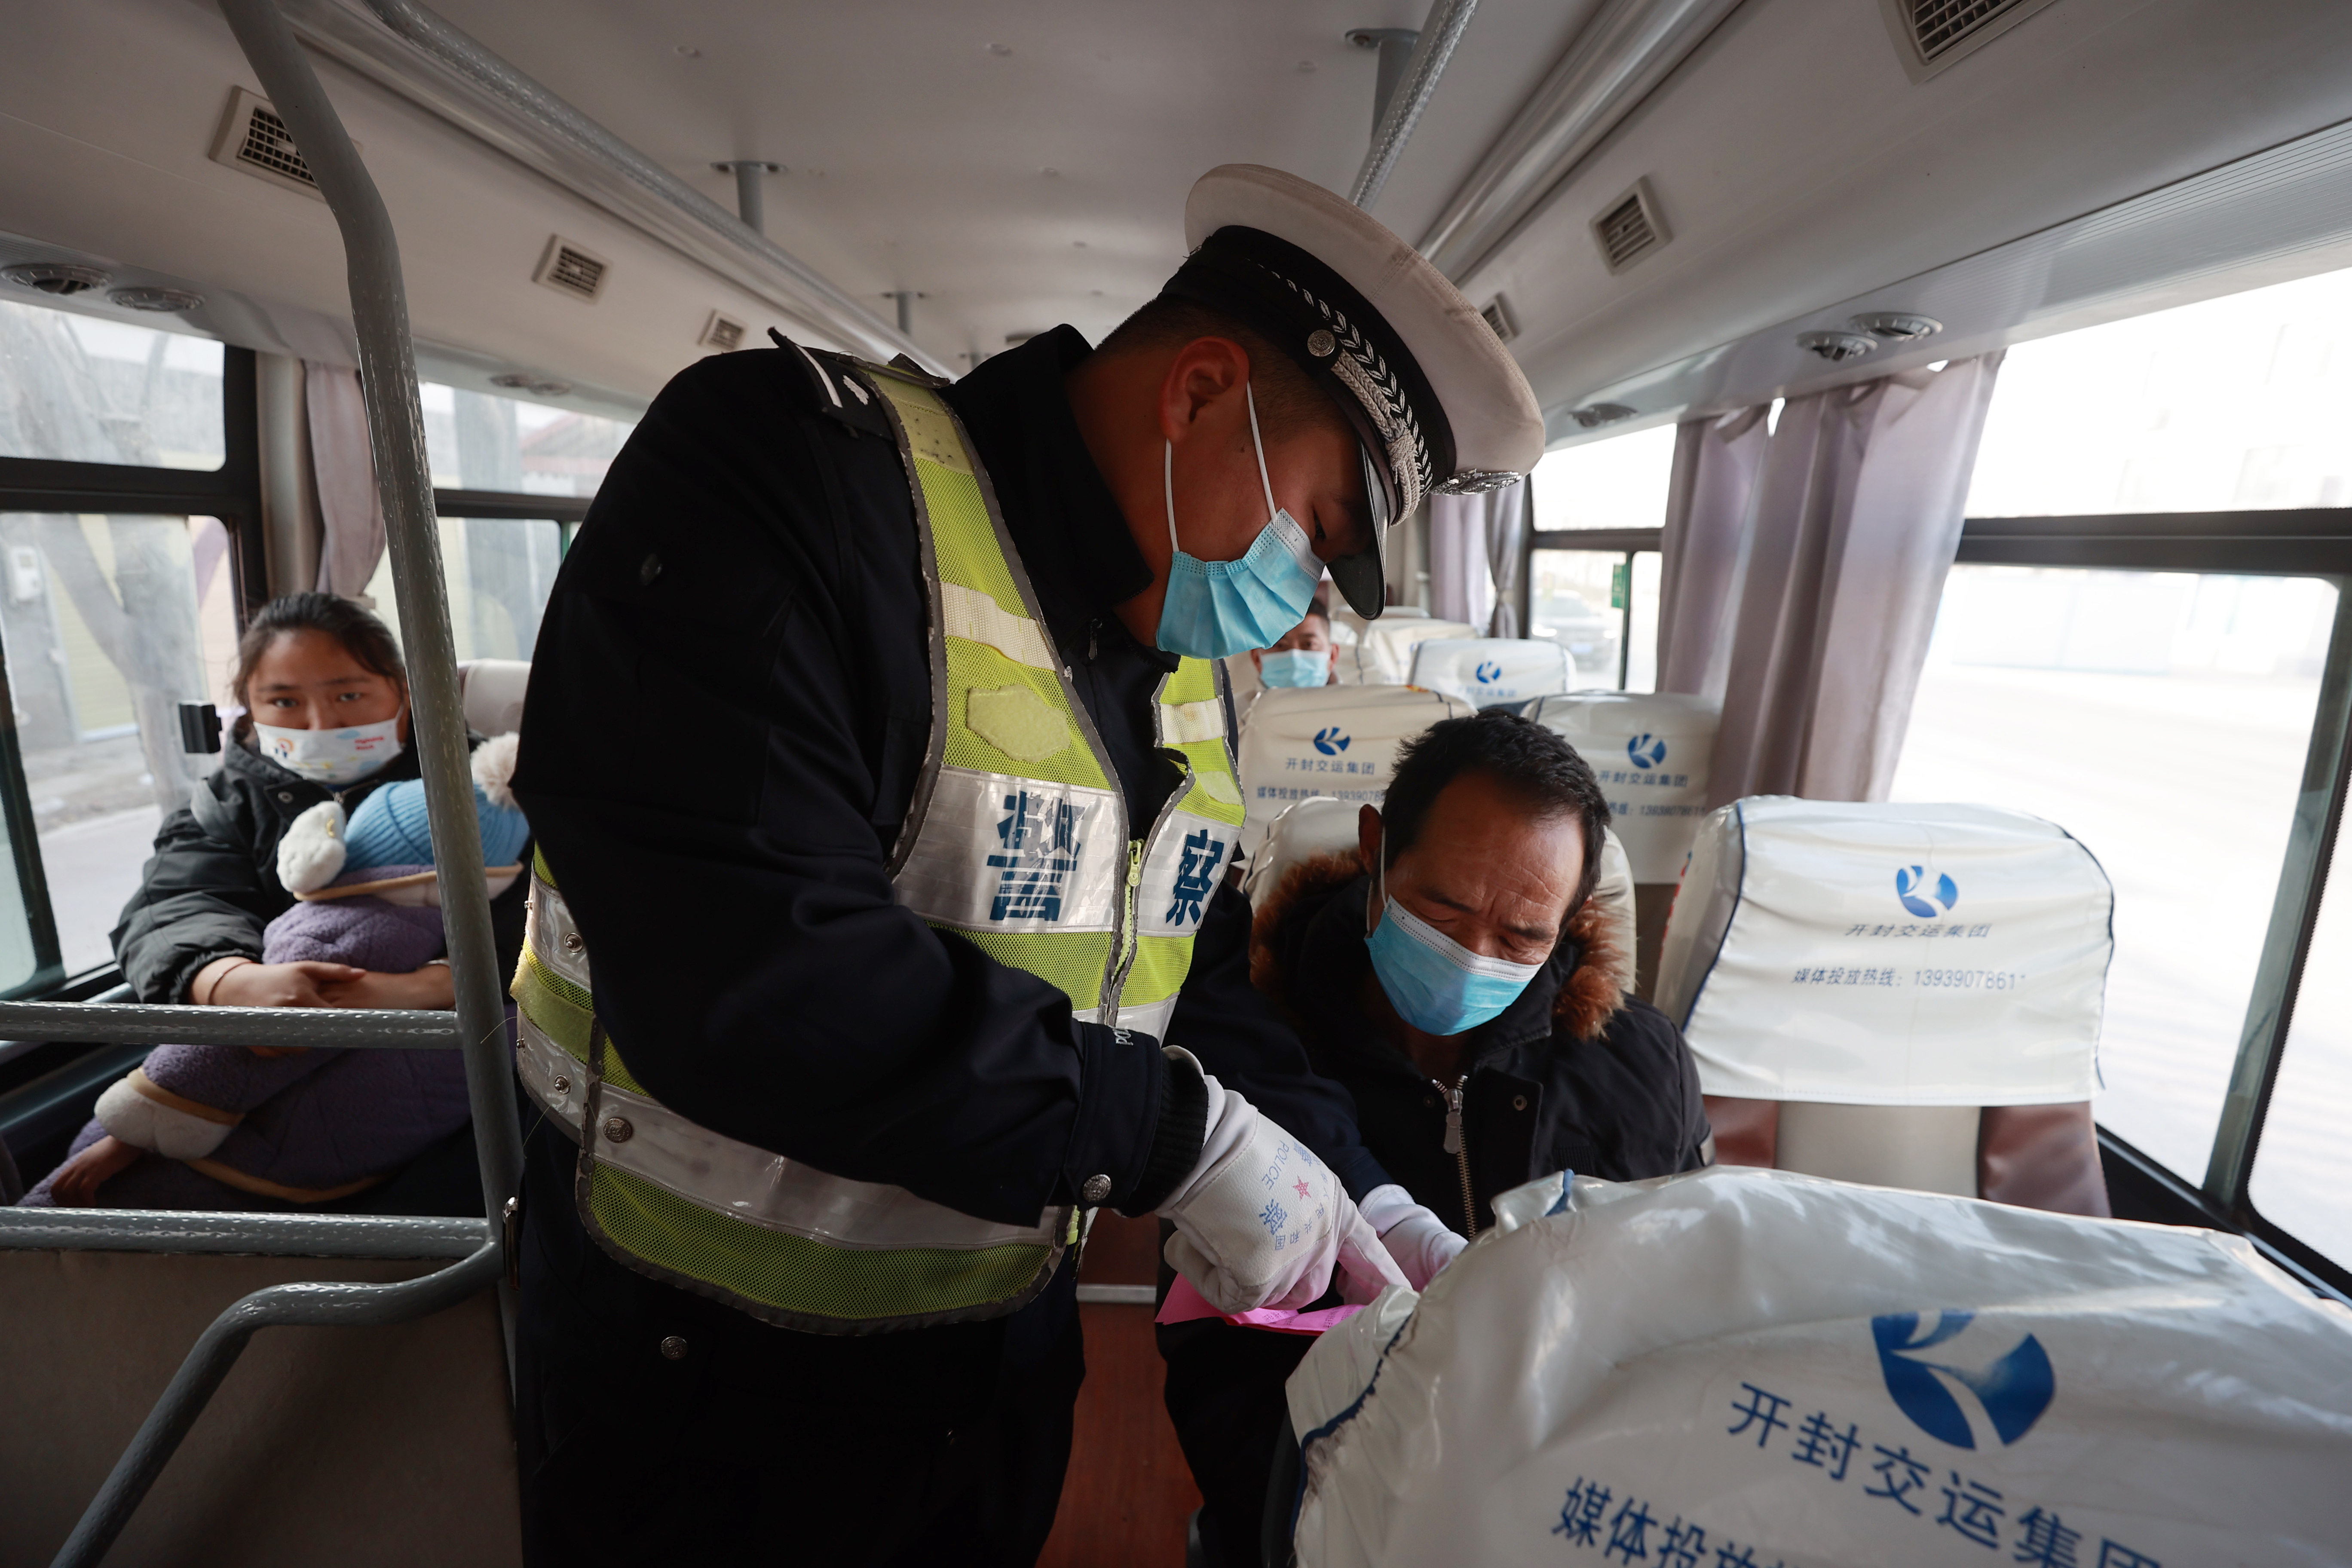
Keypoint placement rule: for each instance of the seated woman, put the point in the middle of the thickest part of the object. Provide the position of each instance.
(1451, 975)
(326, 721)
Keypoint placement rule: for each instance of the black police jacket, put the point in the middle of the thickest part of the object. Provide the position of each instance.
(1576, 1075)
(729, 707)
(212, 883)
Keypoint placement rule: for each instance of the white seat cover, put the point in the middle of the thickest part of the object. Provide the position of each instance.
(1389, 643)
(1490, 672)
(1651, 753)
(1763, 1368)
(1335, 741)
(1876, 953)
(491, 691)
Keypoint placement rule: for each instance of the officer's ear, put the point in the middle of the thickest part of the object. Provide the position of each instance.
(1204, 373)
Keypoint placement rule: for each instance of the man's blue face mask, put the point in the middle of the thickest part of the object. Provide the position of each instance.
(1215, 608)
(1295, 667)
(1435, 983)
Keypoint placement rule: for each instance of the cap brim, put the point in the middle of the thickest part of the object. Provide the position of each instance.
(1363, 577)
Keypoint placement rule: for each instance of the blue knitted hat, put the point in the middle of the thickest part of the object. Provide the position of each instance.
(389, 828)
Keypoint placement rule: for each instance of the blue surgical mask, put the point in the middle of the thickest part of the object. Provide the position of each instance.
(1291, 667)
(1435, 983)
(1216, 608)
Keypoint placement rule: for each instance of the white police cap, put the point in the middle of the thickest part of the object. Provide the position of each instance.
(1437, 401)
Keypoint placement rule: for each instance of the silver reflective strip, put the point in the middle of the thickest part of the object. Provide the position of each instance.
(1181, 868)
(551, 936)
(1185, 721)
(1085, 1015)
(538, 1062)
(765, 1189)
(972, 615)
(1148, 1017)
(1003, 854)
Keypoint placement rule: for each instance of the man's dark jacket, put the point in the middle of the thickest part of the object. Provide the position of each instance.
(1576, 1075)
(213, 884)
(729, 706)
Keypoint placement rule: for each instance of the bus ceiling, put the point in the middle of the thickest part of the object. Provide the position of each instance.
(1667, 206)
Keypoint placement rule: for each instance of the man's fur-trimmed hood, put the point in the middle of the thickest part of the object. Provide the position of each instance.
(1592, 993)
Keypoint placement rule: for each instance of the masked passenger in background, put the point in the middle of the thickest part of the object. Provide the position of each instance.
(1453, 975)
(1302, 655)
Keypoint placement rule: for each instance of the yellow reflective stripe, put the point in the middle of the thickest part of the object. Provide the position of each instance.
(564, 1013)
(1219, 794)
(1159, 970)
(963, 538)
(976, 618)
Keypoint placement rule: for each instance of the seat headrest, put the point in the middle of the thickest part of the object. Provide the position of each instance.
(1884, 953)
(1652, 754)
(1492, 672)
(491, 691)
(1336, 741)
(1389, 643)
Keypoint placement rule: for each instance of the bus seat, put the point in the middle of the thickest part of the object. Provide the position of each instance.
(370, 1448)
(1907, 995)
(491, 690)
(1653, 753)
(1389, 643)
(1322, 825)
(1336, 741)
(1492, 672)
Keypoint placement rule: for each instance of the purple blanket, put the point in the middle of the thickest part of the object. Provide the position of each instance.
(320, 1119)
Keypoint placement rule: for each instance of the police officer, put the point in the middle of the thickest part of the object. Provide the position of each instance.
(881, 764)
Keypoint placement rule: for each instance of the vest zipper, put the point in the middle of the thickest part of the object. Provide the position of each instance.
(1458, 1145)
(1124, 958)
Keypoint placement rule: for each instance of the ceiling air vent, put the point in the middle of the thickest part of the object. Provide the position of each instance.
(1897, 327)
(1629, 229)
(570, 268)
(1837, 347)
(254, 141)
(1497, 315)
(1931, 35)
(537, 386)
(722, 333)
(55, 277)
(1594, 416)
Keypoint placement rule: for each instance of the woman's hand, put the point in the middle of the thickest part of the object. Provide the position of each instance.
(77, 1180)
(243, 984)
(430, 988)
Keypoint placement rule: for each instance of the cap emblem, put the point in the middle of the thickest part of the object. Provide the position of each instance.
(1321, 344)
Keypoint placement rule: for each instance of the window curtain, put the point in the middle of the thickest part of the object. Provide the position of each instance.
(1851, 523)
(1506, 538)
(1460, 588)
(351, 511)
(1715, 463)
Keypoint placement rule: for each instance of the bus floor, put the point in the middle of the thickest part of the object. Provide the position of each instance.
(1128, 1492)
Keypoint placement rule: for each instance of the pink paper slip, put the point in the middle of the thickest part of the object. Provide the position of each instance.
(1184, 1304)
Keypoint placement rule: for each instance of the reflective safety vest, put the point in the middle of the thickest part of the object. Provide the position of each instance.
(1017, 841)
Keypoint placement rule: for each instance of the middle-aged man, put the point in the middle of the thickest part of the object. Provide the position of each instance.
(1303, 656)
(881, 773)
(1452, 972)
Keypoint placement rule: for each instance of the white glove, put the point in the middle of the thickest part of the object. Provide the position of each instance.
(1260, 1221)
(1417, 1239)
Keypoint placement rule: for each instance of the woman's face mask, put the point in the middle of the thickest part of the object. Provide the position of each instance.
(1216, 608)
(330, 757)
(1435, 983)
(1294, 667)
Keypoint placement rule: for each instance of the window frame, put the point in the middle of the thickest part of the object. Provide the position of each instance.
(1623, 542)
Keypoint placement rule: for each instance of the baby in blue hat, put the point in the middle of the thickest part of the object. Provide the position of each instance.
(312, 1126)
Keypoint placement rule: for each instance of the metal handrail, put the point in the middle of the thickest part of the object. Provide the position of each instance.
(396, 434)
(319, 1305)
(191, 1231)
(1448, 19)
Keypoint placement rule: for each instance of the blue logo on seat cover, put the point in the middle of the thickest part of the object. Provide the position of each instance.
(1911, 887)
(1490, 672)
(1647, 751)
(2012, 1390)
(1330, 740)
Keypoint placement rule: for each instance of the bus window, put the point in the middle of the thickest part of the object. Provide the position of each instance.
(109, 623)
(479, 441)
(1619, 483)
(2297, 1181)
(88, 390)
(1599, 596)
(2161, 718)
(497, 573)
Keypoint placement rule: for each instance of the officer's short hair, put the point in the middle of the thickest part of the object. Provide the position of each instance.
(1540, 772)
(1287, 398)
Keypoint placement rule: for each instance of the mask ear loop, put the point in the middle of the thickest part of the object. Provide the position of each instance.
(1168, 490)
(1251, 398)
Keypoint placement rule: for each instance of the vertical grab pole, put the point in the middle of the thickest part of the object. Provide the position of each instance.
(396, 431)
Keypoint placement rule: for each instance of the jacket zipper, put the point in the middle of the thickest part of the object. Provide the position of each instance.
(1123, 953)
(1458, 1145)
